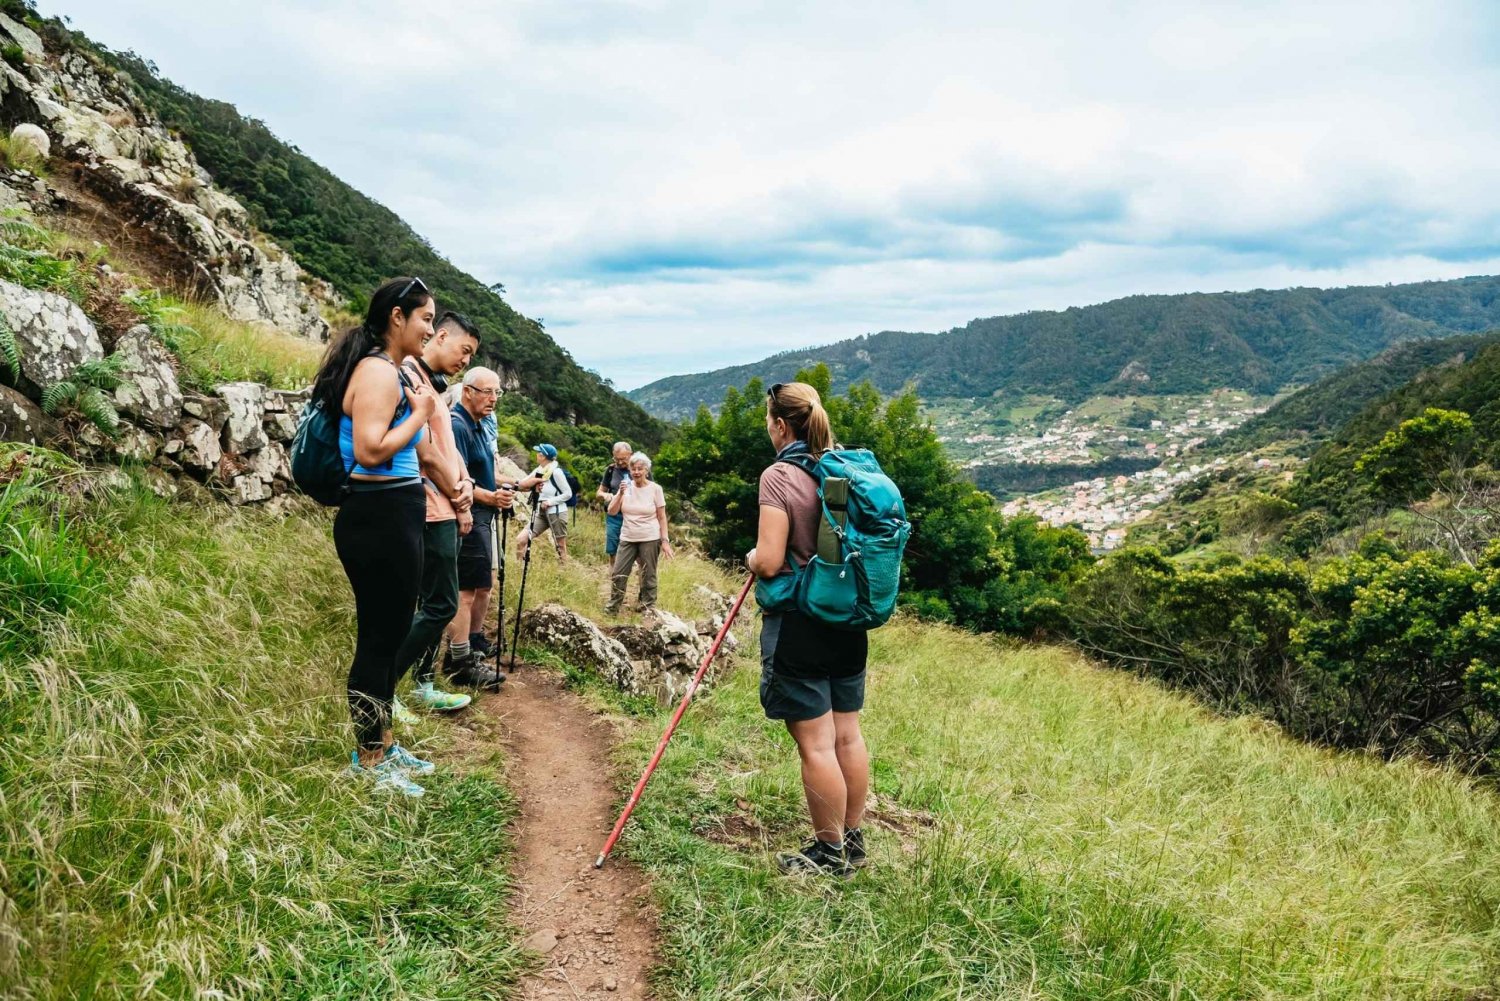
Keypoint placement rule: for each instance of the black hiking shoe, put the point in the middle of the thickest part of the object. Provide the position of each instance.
(817, 858)
(469, 671)
(854, 847)
(480, 644)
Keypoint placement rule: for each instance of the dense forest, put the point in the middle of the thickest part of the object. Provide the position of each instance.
(1260, 341)
(353, 242)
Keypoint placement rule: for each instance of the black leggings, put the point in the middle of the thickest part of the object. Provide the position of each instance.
(378, 535)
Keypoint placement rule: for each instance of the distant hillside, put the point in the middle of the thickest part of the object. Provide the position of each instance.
(353, 242)
(1259, 341)
(1314, 414)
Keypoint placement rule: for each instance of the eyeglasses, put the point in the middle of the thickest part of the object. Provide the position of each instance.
(771, 393)
(414, 283)
(482, 392)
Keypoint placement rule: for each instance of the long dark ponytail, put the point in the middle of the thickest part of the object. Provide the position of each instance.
(357, 343)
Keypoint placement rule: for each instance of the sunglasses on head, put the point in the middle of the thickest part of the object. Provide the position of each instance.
(414, 283)
(774, 390)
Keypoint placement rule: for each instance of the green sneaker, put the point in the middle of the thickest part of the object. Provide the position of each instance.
(401, 714)
(408, 761)
(387, 776)
(434, 698)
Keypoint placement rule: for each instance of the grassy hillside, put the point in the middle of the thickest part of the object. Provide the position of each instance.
(1259, 341)
(353, 242)
(1317, 412)
(175, 824)
(174, 819)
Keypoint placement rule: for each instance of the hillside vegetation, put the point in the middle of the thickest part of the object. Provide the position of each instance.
(1313, 414)
(1258, 341)
(354, 243)
(175, 823)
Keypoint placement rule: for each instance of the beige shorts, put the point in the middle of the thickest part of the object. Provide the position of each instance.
(542, 521)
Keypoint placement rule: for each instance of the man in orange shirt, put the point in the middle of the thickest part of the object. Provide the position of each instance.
(450, 499)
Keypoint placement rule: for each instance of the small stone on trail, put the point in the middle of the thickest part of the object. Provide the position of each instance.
(610, 984)
(544, 940)
(743, 804)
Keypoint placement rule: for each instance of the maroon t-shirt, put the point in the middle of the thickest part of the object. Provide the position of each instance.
(789, 489)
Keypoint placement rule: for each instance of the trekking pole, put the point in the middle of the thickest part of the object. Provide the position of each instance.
(515, 636)
(505, 517)
(661, 746)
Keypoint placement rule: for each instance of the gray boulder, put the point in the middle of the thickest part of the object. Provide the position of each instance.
(665, 652)
(29, 41)
(270, 464)
(579, 642)
(27, 134)
(54, 335)
(22, 420)
(148, 387)
(244, 430)
(280, 427)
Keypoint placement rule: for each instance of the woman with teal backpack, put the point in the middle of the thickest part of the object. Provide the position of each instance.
(378, 531)
(812, 673)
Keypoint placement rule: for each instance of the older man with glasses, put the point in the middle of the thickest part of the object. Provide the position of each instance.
(475, 567)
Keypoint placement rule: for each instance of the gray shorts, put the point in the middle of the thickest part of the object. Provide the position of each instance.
(808, 668)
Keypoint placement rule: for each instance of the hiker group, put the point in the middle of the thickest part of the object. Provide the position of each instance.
(413, 473)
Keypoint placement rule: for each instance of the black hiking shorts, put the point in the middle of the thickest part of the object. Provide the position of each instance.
(476, 568)
(808, 668)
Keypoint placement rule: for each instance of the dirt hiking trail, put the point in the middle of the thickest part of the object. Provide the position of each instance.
(594, 928)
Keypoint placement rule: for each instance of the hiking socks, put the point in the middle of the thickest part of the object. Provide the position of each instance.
(459, 651)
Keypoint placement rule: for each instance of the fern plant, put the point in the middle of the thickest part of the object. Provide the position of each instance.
(84, 391)
(10, 349)
(160, 314)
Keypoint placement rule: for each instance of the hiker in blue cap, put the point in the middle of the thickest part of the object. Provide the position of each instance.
(550, 509)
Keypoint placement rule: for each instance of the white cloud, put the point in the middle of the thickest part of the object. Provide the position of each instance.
(677, 185)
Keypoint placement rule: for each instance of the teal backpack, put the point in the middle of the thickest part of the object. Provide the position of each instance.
(852, 582)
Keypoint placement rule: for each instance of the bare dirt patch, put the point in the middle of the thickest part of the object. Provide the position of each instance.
(594, 928)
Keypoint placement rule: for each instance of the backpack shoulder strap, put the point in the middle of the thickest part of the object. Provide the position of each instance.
(804, 462)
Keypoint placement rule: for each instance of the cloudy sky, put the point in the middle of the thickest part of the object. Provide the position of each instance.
(676, 186)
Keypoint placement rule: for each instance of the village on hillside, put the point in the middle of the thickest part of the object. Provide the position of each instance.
(1167, 429)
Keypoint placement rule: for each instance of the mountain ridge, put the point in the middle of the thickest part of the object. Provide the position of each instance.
(1259, 340)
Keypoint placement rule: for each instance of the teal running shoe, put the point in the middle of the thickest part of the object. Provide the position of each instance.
(404, 759)
(387, 777)
(434, 698)
(401, 714)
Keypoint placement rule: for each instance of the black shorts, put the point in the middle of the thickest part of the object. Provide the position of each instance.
(808, 668)
(476, 566)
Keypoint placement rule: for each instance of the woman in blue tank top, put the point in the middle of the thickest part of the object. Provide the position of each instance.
(378, 531)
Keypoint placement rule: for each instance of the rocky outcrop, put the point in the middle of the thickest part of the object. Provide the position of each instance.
(121, 153)
(54, 335)
(657, 658)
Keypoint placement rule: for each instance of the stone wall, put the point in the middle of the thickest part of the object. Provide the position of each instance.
(232, 441)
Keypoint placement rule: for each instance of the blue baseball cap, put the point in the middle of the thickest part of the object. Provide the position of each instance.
(546, 450)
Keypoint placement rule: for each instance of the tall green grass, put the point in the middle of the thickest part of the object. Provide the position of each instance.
(1049, 829)
(173, 818)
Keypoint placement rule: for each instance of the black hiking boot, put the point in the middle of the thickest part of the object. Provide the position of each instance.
(817, 858)
(480, 644)
(469, 671)
(854, 847)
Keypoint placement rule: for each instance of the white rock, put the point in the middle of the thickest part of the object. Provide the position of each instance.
(34, 136)
(54, 335)
(148, 388)
(244, 431)
(29, 41)
(200, 447)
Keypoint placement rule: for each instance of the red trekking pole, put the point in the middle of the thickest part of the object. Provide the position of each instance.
(661, 746)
